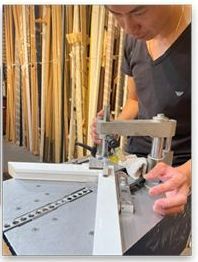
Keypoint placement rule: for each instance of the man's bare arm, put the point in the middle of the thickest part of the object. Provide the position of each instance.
(130, 109)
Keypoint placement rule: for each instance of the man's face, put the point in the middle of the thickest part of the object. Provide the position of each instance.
(141, 21)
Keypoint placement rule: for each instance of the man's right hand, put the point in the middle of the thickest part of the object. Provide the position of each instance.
(94, 134)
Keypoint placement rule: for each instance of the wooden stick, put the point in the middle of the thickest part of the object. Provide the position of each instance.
(72, 127)
(34, 84)
(123, 139)
(7, 44)
(109, 60)
(57, 82)
(26, 79)
(49, 134)
(63, 64)
(78, 100)
(96, 44)
(17, 83)
(84, 69)
(67, 81)
(120, 77)
(44, 72)
(17, 14)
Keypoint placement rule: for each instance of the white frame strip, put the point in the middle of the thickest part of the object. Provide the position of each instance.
(56, 172)
(107, 236)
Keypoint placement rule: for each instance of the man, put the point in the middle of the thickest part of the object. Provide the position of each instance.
(157, 59)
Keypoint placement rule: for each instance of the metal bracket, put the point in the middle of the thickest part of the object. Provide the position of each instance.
(96, 163)
(125, 197)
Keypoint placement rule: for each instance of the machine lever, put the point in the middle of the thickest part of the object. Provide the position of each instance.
(93, 149)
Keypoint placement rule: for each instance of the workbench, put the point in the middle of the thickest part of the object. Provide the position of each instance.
(69, 230)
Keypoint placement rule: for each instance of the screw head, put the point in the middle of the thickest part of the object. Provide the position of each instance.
(91, 233)
(35, 229)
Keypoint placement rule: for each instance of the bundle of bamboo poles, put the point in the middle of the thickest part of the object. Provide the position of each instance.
(63, 65)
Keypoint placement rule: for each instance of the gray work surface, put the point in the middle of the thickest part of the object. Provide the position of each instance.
(135, 226)
(69, 230)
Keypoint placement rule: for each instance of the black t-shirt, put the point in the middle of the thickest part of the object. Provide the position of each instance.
(162, 86)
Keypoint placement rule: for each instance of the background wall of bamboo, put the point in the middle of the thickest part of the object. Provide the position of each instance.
(62, 64)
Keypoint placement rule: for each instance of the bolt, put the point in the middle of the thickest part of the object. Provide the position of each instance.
(7, 225)
(91, 233)
(34, 229)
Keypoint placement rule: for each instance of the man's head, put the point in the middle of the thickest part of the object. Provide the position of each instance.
(143, 21)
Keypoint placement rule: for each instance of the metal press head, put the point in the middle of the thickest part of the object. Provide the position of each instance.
(160, 128)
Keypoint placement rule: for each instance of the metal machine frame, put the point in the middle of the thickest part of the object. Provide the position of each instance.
(161, 129)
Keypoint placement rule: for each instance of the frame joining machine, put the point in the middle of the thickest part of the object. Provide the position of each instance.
(94, 208)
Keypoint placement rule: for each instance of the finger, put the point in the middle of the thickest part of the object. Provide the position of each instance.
(94, 133)
(159, 170)
(172, 202)
(93, 123)
(93, 130)
(174, 210)
(168, 211)
(174, 183)
(97, 141)
(157, 209)
(100, 113)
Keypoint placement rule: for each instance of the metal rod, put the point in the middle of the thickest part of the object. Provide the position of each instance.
(168, 142)
(157, 148)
